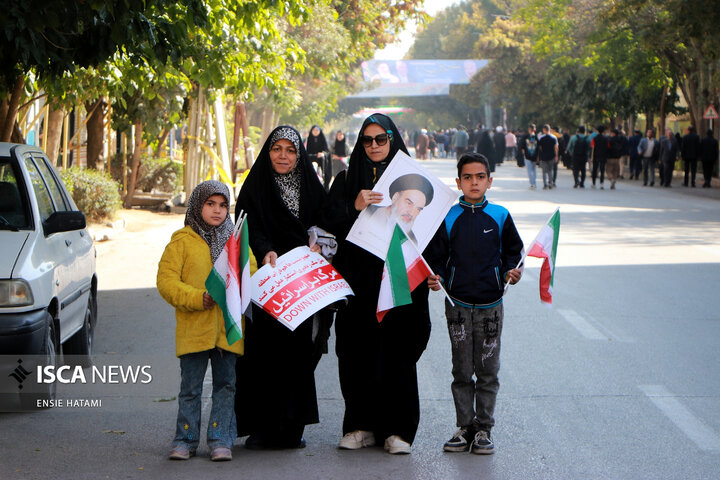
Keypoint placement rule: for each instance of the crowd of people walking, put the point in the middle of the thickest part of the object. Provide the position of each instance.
(613, 155)
(599, 153)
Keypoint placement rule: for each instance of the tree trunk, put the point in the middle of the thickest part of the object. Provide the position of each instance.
(12, 110)
(95, 131)
(17, 136)
(53, 130)
(236, 140)
(649, 121)
(135, 166)
(246, 136)
(661, 121)
(267, 118)
(4, 104)
(161, 141)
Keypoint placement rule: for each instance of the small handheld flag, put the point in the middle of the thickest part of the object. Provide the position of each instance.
(229, 281)
(545, 246)
(404, 270)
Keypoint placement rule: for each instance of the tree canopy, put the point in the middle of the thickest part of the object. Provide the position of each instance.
(571, 61)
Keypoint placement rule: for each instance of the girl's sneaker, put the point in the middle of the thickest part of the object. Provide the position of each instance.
(460, 441)
(221, 454)
(482, 444)
(181, 453)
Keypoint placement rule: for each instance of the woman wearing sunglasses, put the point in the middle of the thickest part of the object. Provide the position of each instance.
(376, 360)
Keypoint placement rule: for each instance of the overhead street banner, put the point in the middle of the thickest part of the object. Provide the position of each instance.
(301, 284)
(404, 78)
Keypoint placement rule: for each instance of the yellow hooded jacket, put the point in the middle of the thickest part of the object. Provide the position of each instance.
(182, 271)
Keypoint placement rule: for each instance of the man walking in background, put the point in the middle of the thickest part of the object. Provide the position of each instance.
(648, 151)
(578, 150)
(460, 141)
(635, 160)
(528, 147)
(668, 156)
(690, 150)
(615, 153)
(548, 152)
(600, 146)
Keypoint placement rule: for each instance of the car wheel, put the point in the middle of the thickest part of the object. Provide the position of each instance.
(48, 355)
(81, 344)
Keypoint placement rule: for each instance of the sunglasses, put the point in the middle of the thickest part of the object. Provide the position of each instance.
(379, 139)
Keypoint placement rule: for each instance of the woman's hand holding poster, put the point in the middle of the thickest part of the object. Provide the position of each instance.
(301, 284)
(414, 198)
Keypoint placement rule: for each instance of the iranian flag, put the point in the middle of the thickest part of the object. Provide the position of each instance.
(404, 270)
(545, 246)
(229, 281)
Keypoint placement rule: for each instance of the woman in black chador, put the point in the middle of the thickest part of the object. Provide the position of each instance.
(376, 359)
(318, 151)
(276, 377)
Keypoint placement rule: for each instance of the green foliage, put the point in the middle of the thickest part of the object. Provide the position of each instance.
(54, 37)
(95, 193)
(566, 61)
(160, 174)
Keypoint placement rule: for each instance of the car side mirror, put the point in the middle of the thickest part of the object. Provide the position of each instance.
(64, 222)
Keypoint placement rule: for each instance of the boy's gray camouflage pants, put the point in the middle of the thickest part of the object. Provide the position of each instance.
(475, 340)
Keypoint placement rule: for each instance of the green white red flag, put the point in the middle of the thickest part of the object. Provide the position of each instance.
(545, 246)
(404, 270)
(229, 281)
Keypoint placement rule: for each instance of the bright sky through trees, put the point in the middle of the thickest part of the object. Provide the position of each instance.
(398, 49)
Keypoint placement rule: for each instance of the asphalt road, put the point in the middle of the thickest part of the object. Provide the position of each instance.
(618, 380)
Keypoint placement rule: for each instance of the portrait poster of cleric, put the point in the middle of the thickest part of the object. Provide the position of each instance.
(413, 198)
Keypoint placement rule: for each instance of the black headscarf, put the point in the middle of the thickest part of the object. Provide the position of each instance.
(340, 146)
(363, 173)
(317, 144)
(273, 226)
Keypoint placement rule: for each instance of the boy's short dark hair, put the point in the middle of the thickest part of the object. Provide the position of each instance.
(581, 129)
(472, 158)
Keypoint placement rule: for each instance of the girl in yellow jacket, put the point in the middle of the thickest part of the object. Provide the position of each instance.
(200, 332)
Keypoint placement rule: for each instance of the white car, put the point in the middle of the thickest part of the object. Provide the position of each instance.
(48, 283)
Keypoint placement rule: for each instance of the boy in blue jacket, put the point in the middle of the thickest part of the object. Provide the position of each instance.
(474, 254)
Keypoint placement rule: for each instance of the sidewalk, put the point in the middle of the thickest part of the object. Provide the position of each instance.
(131, 220)
(677, 185)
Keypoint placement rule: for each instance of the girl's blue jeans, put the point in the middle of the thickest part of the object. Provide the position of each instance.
(222, 429)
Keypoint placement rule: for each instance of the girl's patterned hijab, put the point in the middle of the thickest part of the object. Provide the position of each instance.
(214, 236)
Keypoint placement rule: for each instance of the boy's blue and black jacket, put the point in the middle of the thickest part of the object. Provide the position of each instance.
(472, 250)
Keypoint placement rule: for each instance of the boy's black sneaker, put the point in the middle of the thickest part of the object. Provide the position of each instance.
(460, 441)
(482, 444)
